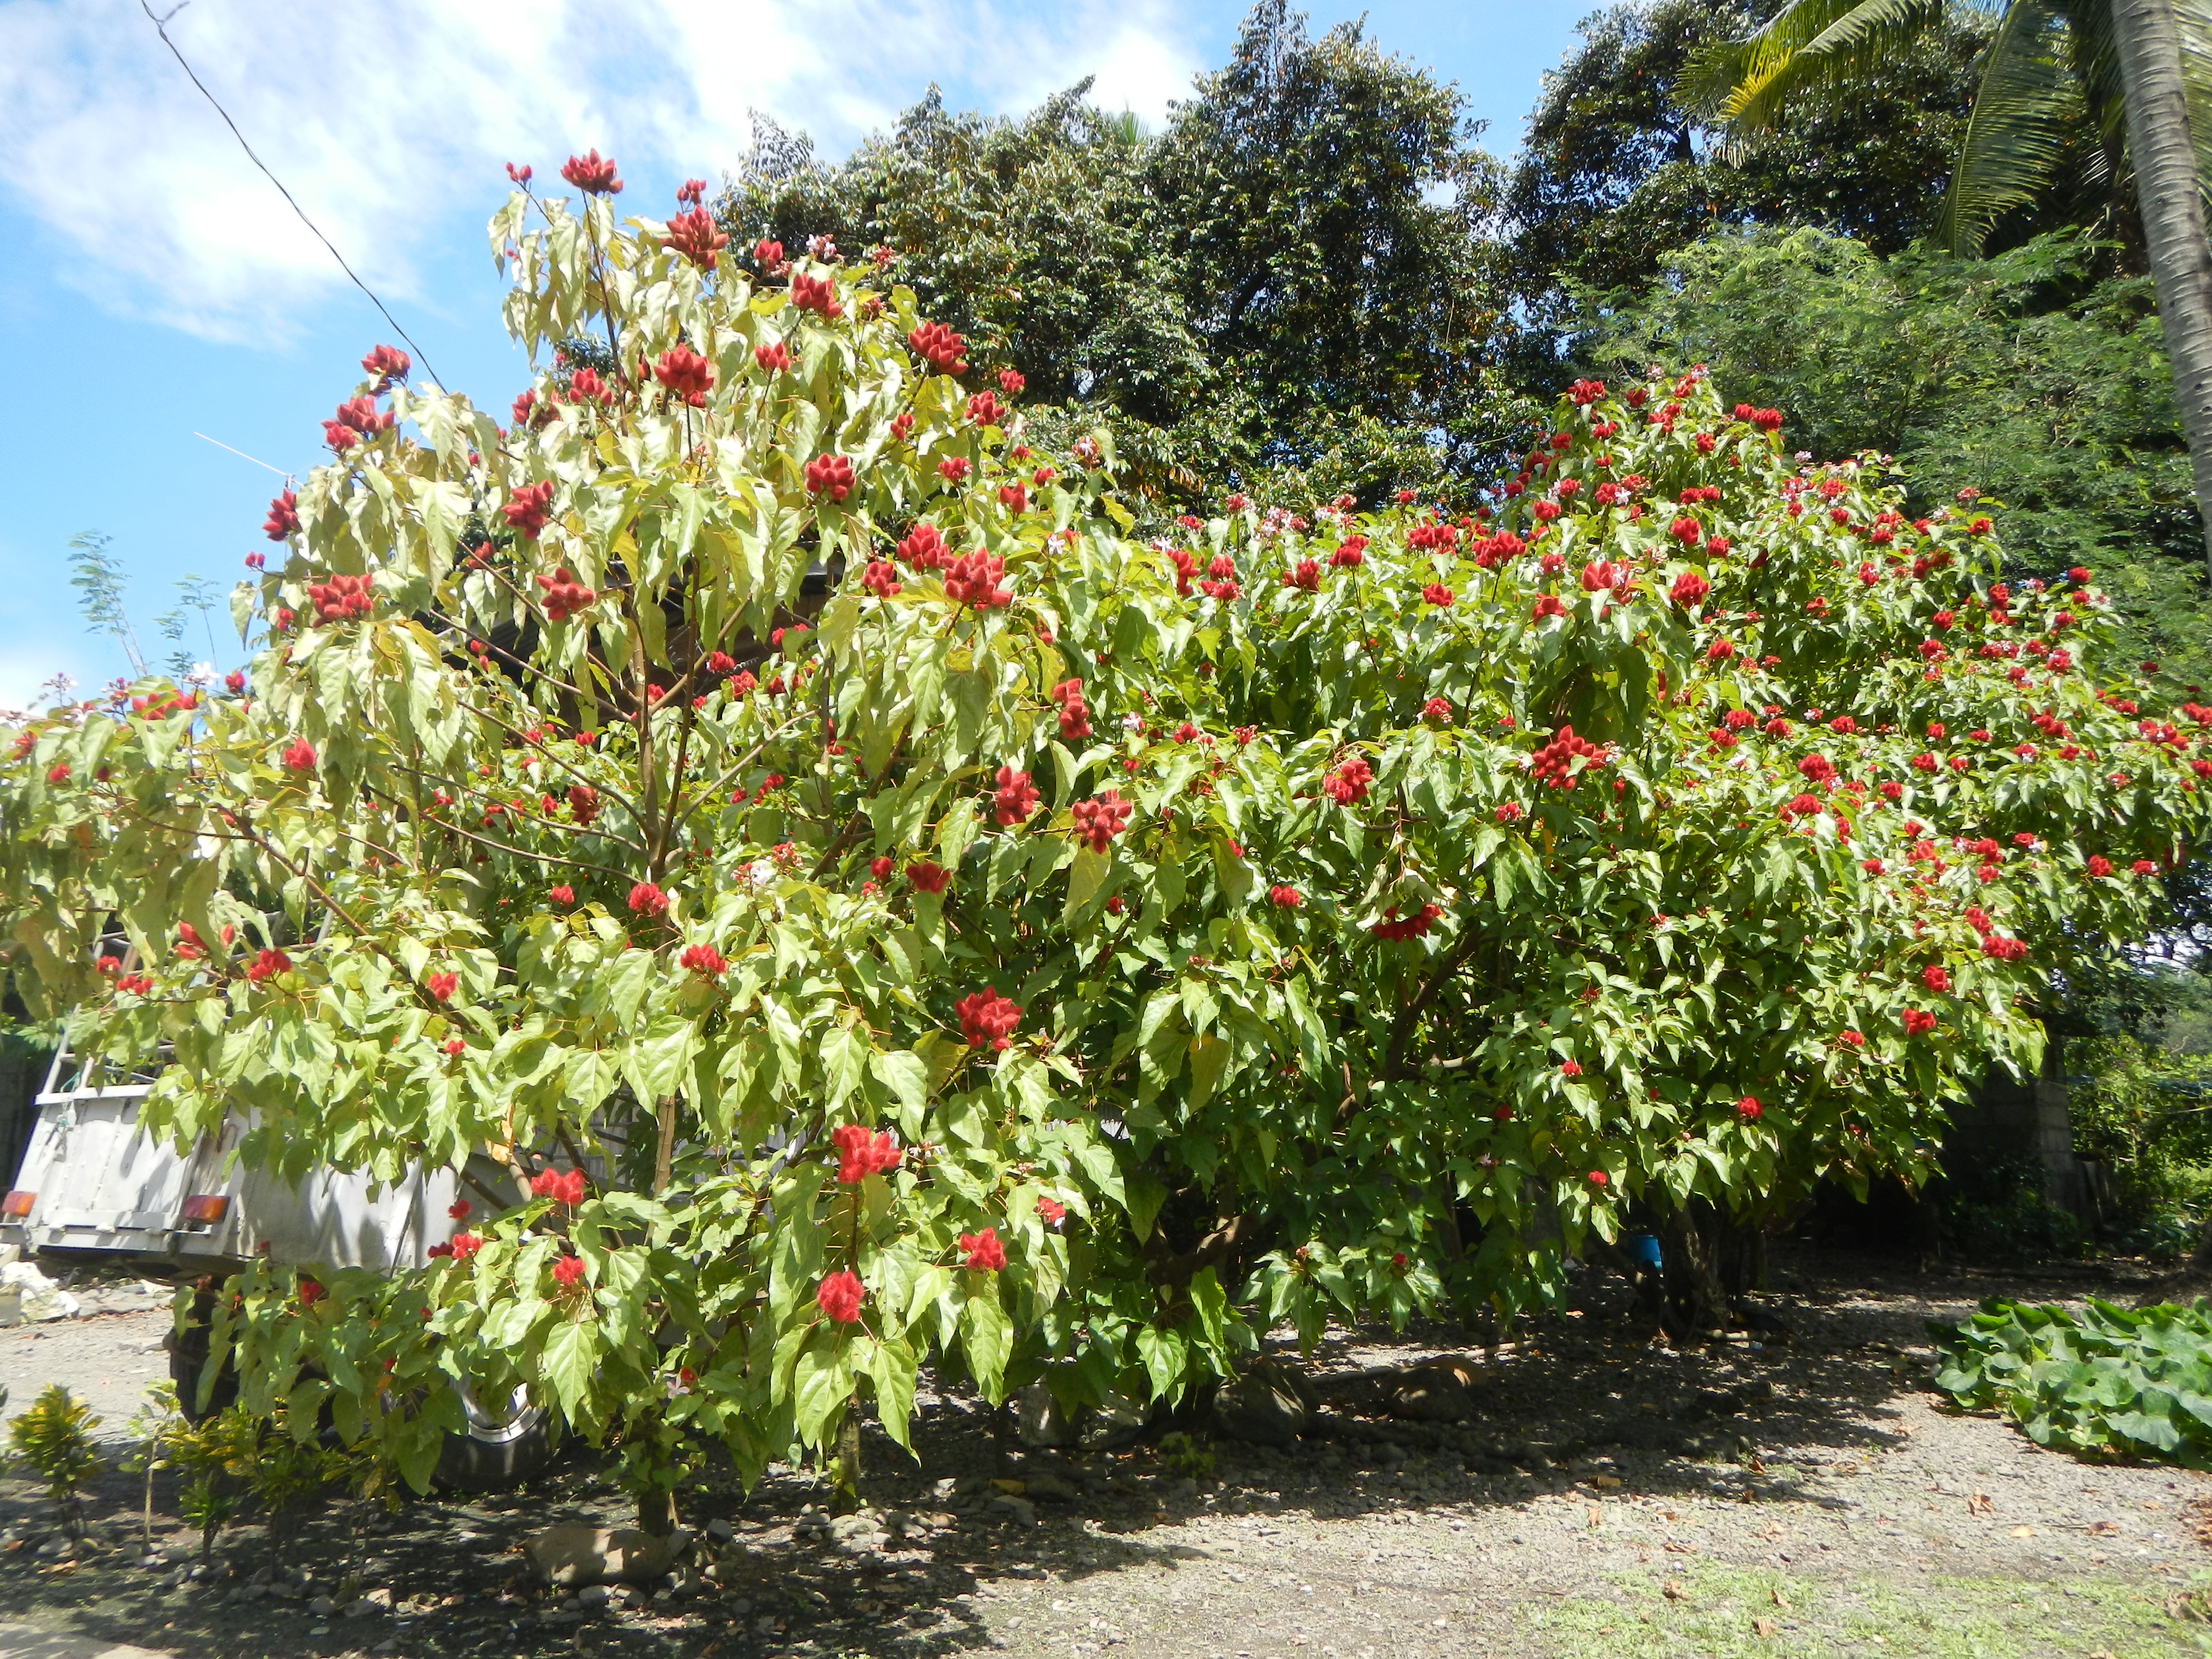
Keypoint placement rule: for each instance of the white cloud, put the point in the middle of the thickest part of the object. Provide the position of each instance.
(384, 120)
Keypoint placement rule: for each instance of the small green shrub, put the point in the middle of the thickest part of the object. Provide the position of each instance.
(53, 1440)
(2108, 1382)
(1186, 1457)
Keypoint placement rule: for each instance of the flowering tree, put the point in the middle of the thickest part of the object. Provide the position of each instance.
(1044, 950)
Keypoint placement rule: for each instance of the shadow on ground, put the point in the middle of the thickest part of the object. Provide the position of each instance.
(1577, 1402)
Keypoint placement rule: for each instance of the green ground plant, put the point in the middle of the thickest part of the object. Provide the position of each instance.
(52, 1440)
(2107, 1382)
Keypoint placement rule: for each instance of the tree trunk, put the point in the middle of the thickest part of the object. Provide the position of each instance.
(2171, 204)
(847, 1464)
(1695, 1289)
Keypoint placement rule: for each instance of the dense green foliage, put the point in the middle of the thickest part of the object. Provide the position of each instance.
(1615, 169)
(1287, 276)
(2107, 1382)
(2026, 376)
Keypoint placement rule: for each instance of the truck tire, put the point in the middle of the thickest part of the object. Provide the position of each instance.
(502, 1446)
(188, 1358)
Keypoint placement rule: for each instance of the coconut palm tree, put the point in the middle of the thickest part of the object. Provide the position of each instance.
(2139, 71)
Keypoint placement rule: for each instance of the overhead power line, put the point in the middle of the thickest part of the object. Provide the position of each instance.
(161, 27)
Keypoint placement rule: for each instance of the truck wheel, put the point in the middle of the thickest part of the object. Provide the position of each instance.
(502, 1446)
(188, 1358)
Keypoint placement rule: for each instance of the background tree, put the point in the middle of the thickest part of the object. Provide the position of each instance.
(2141, 68)
(1618, 166)
(1288, 277)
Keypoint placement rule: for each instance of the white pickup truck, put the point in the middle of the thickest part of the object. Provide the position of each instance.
(94, 1184)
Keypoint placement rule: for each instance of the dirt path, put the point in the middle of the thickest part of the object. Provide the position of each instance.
(1803, 1499)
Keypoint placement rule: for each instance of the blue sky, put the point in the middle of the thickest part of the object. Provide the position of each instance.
(158, 287)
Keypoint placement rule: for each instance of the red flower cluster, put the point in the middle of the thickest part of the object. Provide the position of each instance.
(1918, 1021)
(977, 579)
(1413, 926)
(1051, 1210)
(930, 877)
(987, 1018)
(880, 578)
(341, 598)
(568, 1271)
(267, 965)
(647, 900)
(564, 895)
(1935, 978)
(830, 475)
(984, 408)
(774, 358)
(1351, 550)
(1766, 420)
(528, 507)
(2003, 949)
(839, 1296)
(1098, 821)
(563, 1186)
(583, 802)
(1015, 800)
(592, 175)
(1436, 709)
(861, 1154)
(1553, 763)
(696, 237)
(982, 1251)
(1305, 575)
(1074, 713)
(1014, 497)
(385, 364)
(1509, 811)
(924, 549)
(283, 516)
(441, 986)
(1689, 588)
(357, 417)
(815, 293)
(1348, 784)
(465, 1245)
(1749, 1109)
(703, 960)
(1283, 898)
(2099, 865)
(686, 373)
(565, 596)
(940, 347)
(300, 755)
(1437, 594)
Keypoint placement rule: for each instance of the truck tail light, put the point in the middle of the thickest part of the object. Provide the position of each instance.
(207, 1206)
(17, 1204)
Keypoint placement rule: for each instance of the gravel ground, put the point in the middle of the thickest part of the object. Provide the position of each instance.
(1801, 1496)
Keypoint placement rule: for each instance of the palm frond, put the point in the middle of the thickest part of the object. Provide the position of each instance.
(2195, 17)
(1809, 46)
(2015, 136)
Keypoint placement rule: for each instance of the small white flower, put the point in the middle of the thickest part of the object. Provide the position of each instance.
(1132, 722)
(203, 675)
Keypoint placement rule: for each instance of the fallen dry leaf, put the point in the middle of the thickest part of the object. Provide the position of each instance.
(1675, 1592)
(1675, 1547)
(1758, 1464)
(2104, 1528)
(1764, 1627)
(1979, 1503)
(1604, 1482)
(1780, 1599)
(2023, 1532)
(1596, 1516)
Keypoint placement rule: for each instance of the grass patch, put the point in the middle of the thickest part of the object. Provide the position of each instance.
(1945, 1619)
